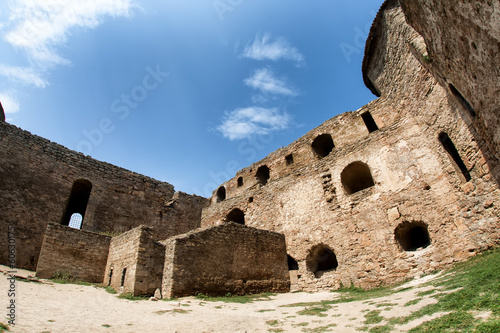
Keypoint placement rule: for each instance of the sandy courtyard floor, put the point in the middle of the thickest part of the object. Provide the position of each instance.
(66, 308)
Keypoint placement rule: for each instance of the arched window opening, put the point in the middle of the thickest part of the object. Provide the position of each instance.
(321, 259)
(412, 236)
(221, 194)
(455, 156)
(240, 181)
(236, 216)
(356, 177)
(293, 265)
(370, 123)
(289, 159)
(262, 175)
(77, 202)
(323, 145)
(461, 99)
(75, 221)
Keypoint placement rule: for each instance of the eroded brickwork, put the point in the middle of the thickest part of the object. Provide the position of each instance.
(386, 203)
(230, 258)
(75, 253)
(135, 262)
(463, 40)
(37, 180)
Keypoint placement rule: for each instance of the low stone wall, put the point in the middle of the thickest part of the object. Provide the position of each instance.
(228, 258)
(135, 262)
(80, 254)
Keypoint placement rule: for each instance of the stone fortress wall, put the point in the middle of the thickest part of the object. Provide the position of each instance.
(405, 185)
(43, 182)
(401, 187)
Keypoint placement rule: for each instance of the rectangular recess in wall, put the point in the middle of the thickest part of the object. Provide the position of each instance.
(370, 123)
(289, 159)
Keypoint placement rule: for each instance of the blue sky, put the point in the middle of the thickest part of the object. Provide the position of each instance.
(187, 92)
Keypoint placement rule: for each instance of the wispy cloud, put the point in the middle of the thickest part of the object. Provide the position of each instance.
(40, 28)
(264, 80)
(24, 75)
(244, 123)
(9, 101)
(266, 48)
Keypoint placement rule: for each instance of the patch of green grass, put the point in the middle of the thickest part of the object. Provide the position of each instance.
(106, 325)
(4, 328)
(130, 296)
(489, 327)
(301, 324)
(228, 298)
(169, 299)
(381, 329)
(272, 322)
(276, 330)
(455, 321)
(110, 290)
(475, 287)
(266, 310)
(413, 302)
(427, 292)
(319, 329)
(64, 277)
(176, 310)
(315, 311)
(386, 304)
(185, 304)
(373, 317)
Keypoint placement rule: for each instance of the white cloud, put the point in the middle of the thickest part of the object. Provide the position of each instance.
(264, 80)
(244, 123)
(9, 102)
(23, 75)
(40, 27)
(264, 48)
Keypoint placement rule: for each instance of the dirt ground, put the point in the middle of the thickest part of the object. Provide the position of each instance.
(64, 308)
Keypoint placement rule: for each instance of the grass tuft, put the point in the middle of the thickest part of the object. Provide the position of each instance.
(228, 298)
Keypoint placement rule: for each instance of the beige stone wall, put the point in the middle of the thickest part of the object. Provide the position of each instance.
(416, 181)
(135, 262)
(229, 258)
(79, 254)
(121, 266)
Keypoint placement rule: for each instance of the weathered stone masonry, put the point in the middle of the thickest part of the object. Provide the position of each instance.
(408, 185)
(405, 185)
(40, 182)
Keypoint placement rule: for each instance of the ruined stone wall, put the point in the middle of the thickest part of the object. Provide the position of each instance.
(37, 178)
(418, 210)
(463, 41)
(121, 266)
(224, 259)
(135, 262)
(75, 253)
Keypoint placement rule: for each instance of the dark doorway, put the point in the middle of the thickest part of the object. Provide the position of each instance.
(77, 202)
(323, 145)
(236, 216)
(221, 194)
(321, 259)
(356, 177)
(412, 235)
(455, 156)
(369, 122)
(262, 175)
